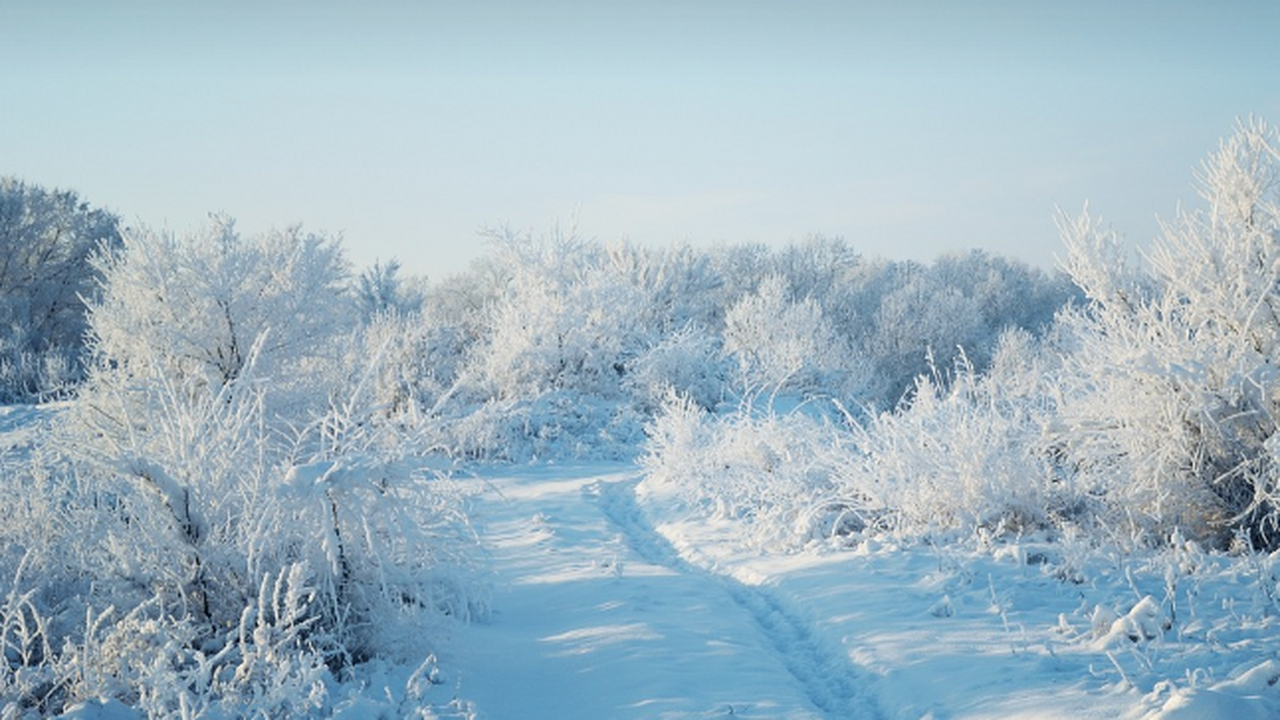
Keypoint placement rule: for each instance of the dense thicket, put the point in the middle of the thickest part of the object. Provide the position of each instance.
(47, 241)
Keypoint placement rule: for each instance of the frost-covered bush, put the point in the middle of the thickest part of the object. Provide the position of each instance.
(238, 511)
(211, 564)
(567, 319)
(1171, 405)
(27, 642)
(688, 361)
(270, 663)
(967, 454)
(776, 474)
(413, 361)
(208, 497)
(34, 377)
(225, 563)
(556, 345)
(783, 344)
(554, 425)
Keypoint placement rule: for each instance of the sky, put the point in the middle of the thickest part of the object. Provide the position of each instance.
(908, 127)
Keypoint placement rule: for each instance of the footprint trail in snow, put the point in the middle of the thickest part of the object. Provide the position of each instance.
(595, 616)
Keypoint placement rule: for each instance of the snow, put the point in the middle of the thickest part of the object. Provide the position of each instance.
(591, 620)
(608, 602)
(101, 710)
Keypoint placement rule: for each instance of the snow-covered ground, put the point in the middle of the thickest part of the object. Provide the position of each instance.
(594, 616)
(608, 602)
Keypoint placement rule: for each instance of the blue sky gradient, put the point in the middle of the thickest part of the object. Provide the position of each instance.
(910, 128)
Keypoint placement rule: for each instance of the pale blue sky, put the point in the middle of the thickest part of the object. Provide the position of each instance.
(909, 128)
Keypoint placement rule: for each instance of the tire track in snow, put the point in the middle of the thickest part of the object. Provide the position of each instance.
(828, 677)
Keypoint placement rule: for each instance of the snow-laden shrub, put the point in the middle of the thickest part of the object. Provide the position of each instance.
(387, 539)
(776, 474)
(220, 566)
(564, 321)
(207, 497)
(27, 643)
(557, 346)
(33, 377)
(415, 359)
(236, 444)
(688, 361)
(270, 664)
(966, 454)
(554, 425)
(1171, 405)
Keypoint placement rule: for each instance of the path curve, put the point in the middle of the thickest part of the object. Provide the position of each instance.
(595, 615)
(823, 669)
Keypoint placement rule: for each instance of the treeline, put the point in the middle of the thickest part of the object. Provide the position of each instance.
(558, 345)
(505, 349)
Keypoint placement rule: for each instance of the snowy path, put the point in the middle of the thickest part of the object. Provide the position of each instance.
(605, 611)
(596, 616)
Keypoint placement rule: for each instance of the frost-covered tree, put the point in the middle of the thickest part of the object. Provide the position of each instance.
(197, 306)
(47, 240)
(785, 344)
(1172, 406)
(380, 289)
(565, 320)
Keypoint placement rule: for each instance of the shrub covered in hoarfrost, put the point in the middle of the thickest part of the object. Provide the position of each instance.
(775, 473)
(1171, 405)
(785, 344)
(968, 452)
(688, 361)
